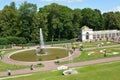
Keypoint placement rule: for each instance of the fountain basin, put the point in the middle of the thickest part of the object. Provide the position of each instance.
(30, 56)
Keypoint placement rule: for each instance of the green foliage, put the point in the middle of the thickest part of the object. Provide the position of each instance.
(59, 42)
(112, 20)
(5, 46)
(92, 18)
(58, 22)
(26, 11)
(12, 40)
(3, 41)
(15, 40)
(40, 59)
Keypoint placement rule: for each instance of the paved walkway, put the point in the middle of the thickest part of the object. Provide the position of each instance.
(8, 60)
(50, 65)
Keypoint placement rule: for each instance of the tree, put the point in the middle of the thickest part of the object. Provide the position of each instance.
(8, 21)
(26, 11)
(53, 20)
(57, 21)
(35, 29)
(112, 20)
(43, 22)
(53, 23)
(77, 21)
(92, 18)
(66, 17)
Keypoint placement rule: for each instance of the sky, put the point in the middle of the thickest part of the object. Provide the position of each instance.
(102, 5)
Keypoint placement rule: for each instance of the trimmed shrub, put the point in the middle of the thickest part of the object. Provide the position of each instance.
(3, 41)
(16, 40)
(12, 40)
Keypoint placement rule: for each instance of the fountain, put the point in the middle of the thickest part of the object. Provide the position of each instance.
(41, 40)
(41, 50)
(41, 53)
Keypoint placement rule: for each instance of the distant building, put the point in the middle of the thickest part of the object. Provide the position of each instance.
(87, 34)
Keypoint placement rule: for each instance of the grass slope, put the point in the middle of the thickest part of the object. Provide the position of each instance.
(104, 71)
(5, 66)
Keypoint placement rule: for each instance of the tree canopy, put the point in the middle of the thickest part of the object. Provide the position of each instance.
(57, 21)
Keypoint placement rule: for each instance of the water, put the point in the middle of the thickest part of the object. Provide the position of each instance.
(41, 50)
(41, 40)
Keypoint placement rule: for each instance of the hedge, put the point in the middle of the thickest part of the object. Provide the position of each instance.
(12, 40)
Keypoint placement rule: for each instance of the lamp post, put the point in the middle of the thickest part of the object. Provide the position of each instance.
(69, 55)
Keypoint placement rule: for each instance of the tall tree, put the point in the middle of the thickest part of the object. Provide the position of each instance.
(77, 21)
(92, 18)
(43, 22)
(9, 21)
(35, 29)
(26, 11)
(57, 21)
(111, 20)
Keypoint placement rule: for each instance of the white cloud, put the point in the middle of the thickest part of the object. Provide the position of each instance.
(61, 0)
(116, 9)
(17, 0)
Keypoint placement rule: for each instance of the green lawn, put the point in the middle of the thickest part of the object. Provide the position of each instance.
(96, 54)
(95, 44)
(103, 71)
(8, 51)
(87, 44)
(29, 55)
(5, 66)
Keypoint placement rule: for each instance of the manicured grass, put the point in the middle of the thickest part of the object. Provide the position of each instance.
(29, 55)
(5, 66)
(96, 55)
(58, 45)
(95, 44)
(8, 50)
(104, 71)
(86, 44)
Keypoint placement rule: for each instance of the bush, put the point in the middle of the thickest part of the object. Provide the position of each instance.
(12, 40)
(40, 59)
(16, 40)
(5, 46)
(3, 41)
(58, 42)
(30, 44)
(57, 57)
(39, 64)
(57, 62)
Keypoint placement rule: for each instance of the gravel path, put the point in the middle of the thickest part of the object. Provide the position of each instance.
(50, 65)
